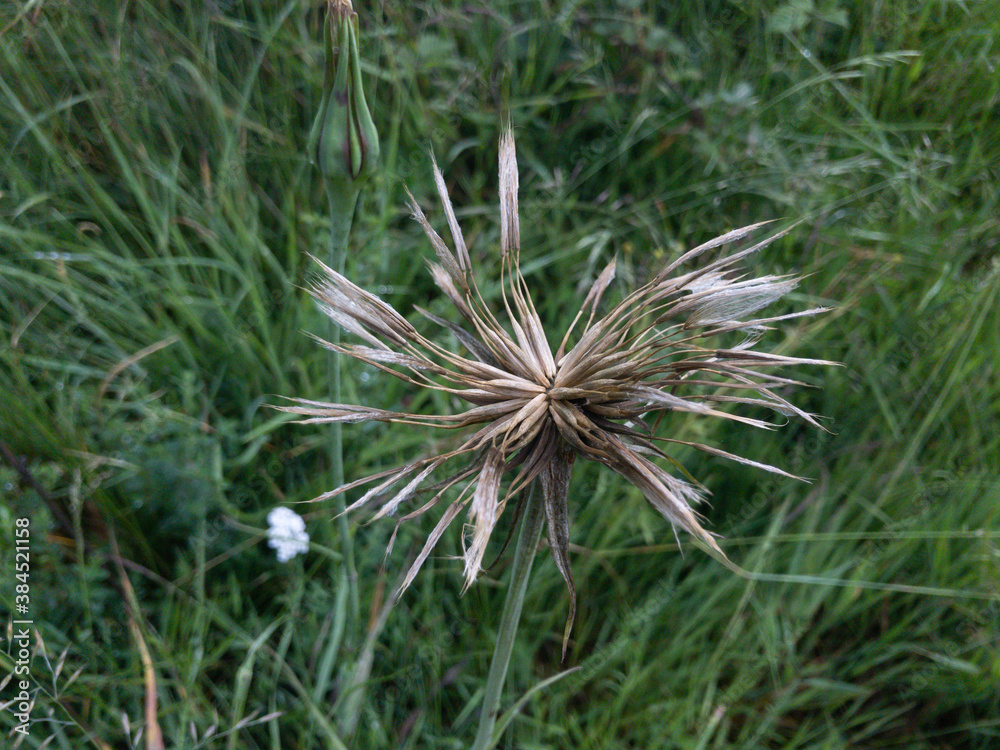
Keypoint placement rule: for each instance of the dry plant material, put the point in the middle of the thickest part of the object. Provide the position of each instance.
(532, 410)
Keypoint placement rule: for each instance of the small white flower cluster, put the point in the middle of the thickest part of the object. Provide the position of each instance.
(287, 533)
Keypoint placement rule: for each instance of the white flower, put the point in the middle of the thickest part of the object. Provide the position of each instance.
(287, 533)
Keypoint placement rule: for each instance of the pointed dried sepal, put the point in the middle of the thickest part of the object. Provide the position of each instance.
(510, 231)
(555, 494)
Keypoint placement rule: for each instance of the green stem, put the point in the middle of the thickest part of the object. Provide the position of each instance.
(341, 218)
(524, 555)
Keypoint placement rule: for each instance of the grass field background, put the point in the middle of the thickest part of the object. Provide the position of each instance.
(156, 211)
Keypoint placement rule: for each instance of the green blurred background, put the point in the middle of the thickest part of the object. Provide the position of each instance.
(156, 211)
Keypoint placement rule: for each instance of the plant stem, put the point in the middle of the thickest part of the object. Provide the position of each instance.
(524, 555)
(341, 218)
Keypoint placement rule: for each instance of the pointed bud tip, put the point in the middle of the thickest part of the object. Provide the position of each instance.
(340, 7)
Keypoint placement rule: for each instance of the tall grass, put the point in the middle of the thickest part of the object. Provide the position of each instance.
(156, 208)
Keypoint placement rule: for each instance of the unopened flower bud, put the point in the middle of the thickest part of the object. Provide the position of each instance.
(343, 141)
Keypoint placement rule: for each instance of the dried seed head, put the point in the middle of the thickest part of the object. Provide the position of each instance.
(531, 411)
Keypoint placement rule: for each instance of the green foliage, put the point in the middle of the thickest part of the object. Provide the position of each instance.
(156, 211)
